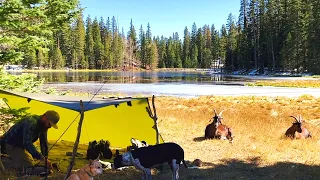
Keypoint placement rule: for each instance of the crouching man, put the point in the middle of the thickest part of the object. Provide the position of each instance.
(18, 141)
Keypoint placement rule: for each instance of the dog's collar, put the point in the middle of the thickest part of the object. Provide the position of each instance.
(91, 176)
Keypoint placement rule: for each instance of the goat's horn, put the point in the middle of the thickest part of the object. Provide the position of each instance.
(215, 112)
(295, 118)
(220, 114)
(300, 118)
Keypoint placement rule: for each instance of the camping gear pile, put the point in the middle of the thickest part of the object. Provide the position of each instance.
(99, 149)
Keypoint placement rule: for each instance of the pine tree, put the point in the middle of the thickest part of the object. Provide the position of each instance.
(162, 52)
(214, 43)
(178, 51)
(313, 64)
(30, 59)
(262, 38)
(148, 42)
(272, 34)
(207, 56)
(170, 53)
(142, 47)
(231, 43)
(200, 46)
(89, 46)
(107, 49)
(132, 44)
(223, 43)
(103, 29)
(115, 45)
(120, 50)
(186, 49)
(79, 43)
(253, 34)
(98, 46)
(154, 56)
(65, 44)
(57, 59)
(193, 46)
(28, 25)
(40, 58)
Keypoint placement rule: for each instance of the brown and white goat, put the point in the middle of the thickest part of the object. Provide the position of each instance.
(218, 130)
(297, 130)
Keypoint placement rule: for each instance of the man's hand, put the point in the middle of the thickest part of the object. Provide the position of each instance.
(49, 164)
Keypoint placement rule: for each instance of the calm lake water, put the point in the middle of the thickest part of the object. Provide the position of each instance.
(183, 84)
(140, 77)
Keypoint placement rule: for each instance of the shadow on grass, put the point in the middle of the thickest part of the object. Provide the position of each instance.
(228, 169)
(236, 169)
(199, 139)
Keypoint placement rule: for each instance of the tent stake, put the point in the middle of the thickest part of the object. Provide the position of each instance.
(76, 143)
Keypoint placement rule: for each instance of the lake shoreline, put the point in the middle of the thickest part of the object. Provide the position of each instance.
(112, 70)
(181, 90)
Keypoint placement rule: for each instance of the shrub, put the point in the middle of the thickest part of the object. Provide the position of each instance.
(20, 83)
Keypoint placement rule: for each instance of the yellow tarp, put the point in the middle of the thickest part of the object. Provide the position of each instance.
(118, 124)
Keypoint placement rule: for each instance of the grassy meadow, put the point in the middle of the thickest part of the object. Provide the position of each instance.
(312, 83)
(259, 151)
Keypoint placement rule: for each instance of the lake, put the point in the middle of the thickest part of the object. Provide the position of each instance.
(160, 83)
(196, 77)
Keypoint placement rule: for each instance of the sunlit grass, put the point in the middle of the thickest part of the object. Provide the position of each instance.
(258, 122)
(315, 76)
(281, 83)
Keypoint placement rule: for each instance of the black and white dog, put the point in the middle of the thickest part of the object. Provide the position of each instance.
(145, 157)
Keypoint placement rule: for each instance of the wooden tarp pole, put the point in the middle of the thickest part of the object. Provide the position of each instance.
(2, 169)
(155, 118)
(76, 143)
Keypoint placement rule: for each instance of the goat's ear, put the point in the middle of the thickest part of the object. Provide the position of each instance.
(215, 112)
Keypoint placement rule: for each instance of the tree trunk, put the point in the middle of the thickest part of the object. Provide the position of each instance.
(273, 60)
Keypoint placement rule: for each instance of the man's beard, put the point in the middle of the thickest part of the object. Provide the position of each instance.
(43, 125)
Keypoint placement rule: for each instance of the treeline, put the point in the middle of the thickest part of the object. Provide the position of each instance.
(268, 34)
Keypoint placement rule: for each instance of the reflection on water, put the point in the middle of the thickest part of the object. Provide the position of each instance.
(136, 77)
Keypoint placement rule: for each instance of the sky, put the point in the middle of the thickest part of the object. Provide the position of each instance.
(165, 16)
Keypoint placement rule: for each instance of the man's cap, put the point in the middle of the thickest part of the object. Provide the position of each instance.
(53, 117)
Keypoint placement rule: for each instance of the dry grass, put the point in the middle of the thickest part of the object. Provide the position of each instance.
(259, 151)
(312, 83)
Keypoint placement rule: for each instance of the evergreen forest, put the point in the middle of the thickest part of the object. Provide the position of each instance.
(278, 35)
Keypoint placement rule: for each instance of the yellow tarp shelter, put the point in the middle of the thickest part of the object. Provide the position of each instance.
(114, 119)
